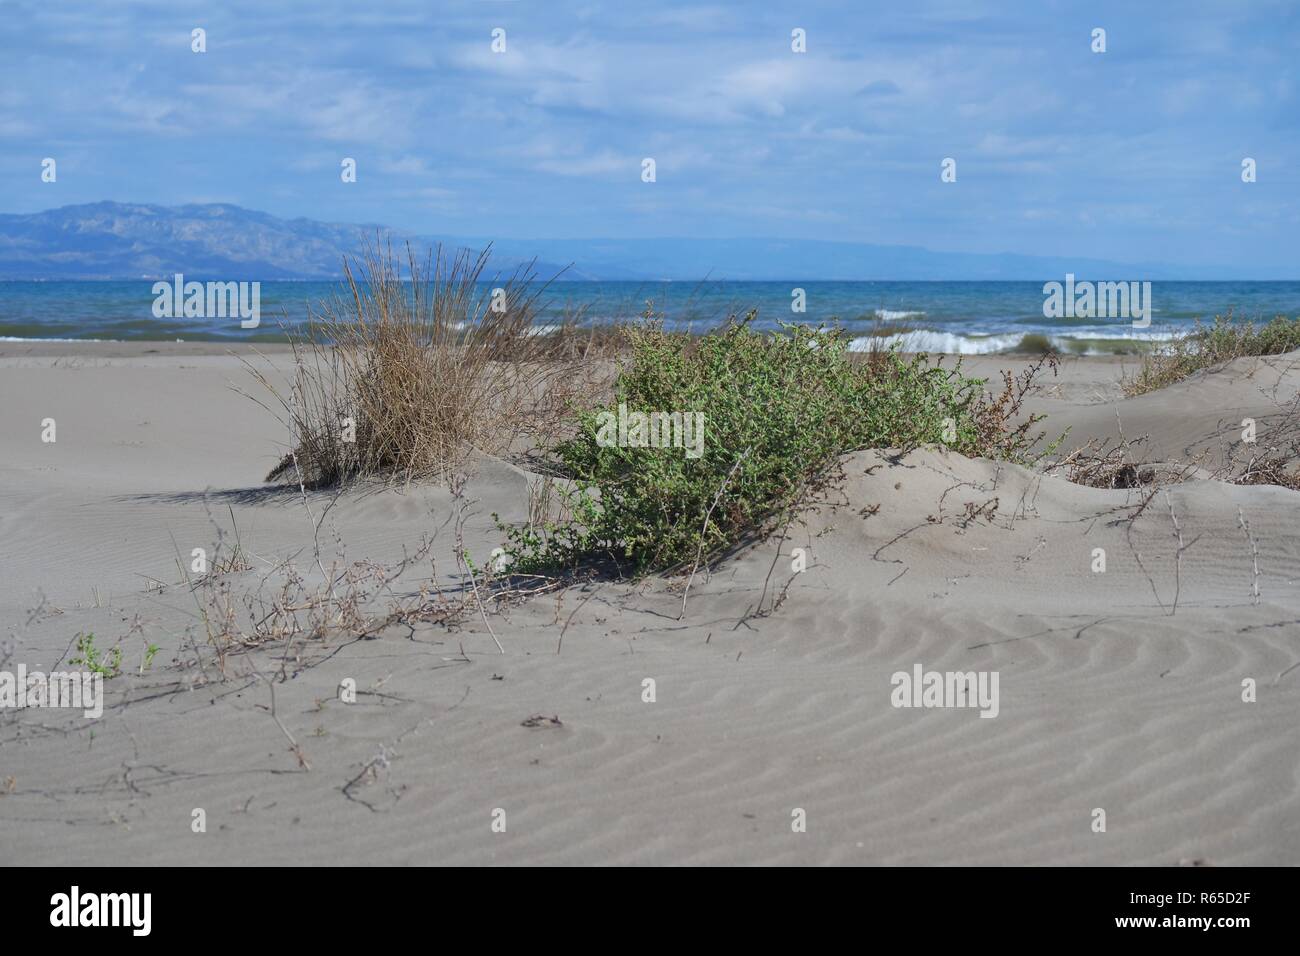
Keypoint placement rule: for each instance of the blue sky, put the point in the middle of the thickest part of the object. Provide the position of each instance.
(1134, 154)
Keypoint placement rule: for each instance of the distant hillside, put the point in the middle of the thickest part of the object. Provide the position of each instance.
(111, 240)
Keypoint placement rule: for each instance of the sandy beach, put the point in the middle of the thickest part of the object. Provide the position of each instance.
(1120, 690)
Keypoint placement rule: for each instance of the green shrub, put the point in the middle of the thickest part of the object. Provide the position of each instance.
(779, 409)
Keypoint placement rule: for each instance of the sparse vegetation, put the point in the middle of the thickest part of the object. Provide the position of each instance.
(1117, 464)
(233, 563)
(1271, 468)
(1123, 463)
(1208, 346)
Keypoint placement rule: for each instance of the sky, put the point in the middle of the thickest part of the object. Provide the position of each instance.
(1132, 154)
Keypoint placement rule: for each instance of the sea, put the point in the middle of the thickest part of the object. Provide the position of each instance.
(953, 317)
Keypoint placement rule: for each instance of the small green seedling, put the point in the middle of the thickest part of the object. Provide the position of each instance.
(94, 660)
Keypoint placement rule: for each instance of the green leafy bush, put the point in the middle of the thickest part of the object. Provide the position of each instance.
(779, 409)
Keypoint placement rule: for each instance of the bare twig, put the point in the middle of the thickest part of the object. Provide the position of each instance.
(705, 529)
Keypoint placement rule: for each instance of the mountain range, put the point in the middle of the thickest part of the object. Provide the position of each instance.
(113, 240)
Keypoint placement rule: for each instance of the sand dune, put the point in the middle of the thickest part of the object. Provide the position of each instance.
(1119, 690)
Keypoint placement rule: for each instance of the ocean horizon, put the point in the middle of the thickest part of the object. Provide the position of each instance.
(962, 317)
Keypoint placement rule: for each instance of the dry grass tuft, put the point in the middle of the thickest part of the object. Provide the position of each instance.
(406, 378)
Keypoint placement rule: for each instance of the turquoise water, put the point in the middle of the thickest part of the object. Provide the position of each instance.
(967, 317)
